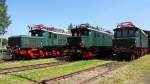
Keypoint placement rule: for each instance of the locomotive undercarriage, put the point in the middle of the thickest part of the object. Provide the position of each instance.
(89, 53)
(130, 54)
(33, 53)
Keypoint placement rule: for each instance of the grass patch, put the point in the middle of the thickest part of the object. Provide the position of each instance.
(41, 74)
(136, 72)
(12, 80)
(27, 62)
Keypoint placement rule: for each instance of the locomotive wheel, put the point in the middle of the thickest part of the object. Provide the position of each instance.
(139, 54)
(90, 55)
(26, 57)
(132, 56)
(31, 54)
(126, 57)
(18, 57)
(54, 53)
(58, 53)
(74, 56)
(119, 56)
(46, 53)
(41, 53)
(13, 56)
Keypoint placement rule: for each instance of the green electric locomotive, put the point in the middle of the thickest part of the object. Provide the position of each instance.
(148, 33)
(43, 42)
(88, 41)
(129, 41)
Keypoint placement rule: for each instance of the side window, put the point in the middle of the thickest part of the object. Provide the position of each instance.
(111, 37)
(94, 34)
(90, 32)
(61, 36)
(103, 36)
(55, 36)
(125, 33)
(50, 35)
(58, 36)
(107, 36)
(98, 34)
(131, 32)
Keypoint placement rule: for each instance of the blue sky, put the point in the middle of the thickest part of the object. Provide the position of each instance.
(60, 13)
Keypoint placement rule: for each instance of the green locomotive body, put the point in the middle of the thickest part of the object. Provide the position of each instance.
(129, 41)
(41, 43)
(23, 41)
(87, 41)
(148, 33)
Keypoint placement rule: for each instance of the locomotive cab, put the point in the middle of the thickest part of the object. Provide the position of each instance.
(78, 36)
(129, 41)
(88, 41)
(36, 32)
(124, 38)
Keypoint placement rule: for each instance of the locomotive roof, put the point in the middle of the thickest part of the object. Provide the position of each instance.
(60, 33)
(48, 29)
(132, 28)
(143, 32)
(97, 30)
(23, 36)
(89, 27)
(147, 32)
(127, 28)
(94, 29)
(64, 33)
(128, 25)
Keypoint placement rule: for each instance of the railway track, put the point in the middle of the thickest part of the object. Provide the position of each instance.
(30, 67)
(9, 61)
(84, 76)
(1, 61)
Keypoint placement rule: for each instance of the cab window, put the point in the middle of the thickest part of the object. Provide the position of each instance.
(103, 36)
(50, 34)
(55, 36)
(80, 32)
(125, 33)
(131, 32)
(36, 33)
(118, 33)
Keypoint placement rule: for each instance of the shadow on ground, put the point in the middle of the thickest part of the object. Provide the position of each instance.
(76, 58)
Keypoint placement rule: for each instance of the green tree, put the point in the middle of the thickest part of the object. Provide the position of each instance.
(5, 20)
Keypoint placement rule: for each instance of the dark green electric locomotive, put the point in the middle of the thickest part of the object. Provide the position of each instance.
(88, 41)
(148, 33)
(43, 42)
(129, 41)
